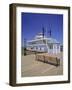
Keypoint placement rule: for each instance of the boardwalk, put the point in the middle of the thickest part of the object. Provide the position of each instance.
(31, 67)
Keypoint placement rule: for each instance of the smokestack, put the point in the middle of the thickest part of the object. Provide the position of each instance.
(43, 31)
(50, 32)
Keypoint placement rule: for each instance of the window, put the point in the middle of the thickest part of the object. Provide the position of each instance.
(57, 46)
(50, 46)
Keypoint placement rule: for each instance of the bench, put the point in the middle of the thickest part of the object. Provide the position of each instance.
(53, 60)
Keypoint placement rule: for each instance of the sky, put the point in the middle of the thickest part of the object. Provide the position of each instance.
(32, 24)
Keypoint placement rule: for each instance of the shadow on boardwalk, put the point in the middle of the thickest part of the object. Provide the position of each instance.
(31, 67)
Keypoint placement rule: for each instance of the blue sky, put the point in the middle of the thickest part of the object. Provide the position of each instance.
(32, 24)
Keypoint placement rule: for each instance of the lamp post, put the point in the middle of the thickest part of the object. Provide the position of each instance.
(25, 47)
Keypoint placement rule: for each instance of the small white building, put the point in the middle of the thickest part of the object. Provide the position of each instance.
(44, 44)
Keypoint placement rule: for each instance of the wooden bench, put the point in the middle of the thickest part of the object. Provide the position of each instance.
(40, 57)
(53, 60)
